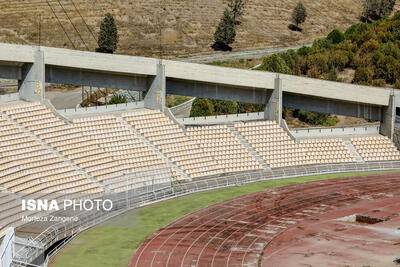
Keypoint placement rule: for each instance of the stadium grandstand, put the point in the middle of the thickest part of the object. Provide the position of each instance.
(138, 153)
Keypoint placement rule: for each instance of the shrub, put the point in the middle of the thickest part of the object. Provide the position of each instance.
(315, 118)
(275, 63)
(222, 107)
(369, 46)
(397, 84)
(290, 58)
(389, 69)
(379, 83)
(304, 51)
(248, 107)
(363, 75)
(335, 36)
(117, 99)
(201, 107)
(390, 49)
(354, 32)
(319, 62)
(320, 45)
(338, 60)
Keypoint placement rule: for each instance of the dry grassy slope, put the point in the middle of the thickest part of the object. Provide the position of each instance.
(188, 25)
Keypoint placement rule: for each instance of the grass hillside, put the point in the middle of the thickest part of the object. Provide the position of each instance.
(188, 25)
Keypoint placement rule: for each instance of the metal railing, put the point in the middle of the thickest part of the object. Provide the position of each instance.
(149, 194)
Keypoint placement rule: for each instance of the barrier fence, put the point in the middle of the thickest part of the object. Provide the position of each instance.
(149, 193)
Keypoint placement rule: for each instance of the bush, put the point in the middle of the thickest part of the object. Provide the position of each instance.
(315, 118)
(354, 32)
(275, 63)
(390, 49)
(290, 58)
(338, 60)
(363, 76)
(117, 99)
(320, 45)
(304, 51)
(388, 69)
(222, 107)
(248, 107)
(202, 107)
(397, 84)
(318, 62)
(379, 83)
(335, 36)
(369, 46)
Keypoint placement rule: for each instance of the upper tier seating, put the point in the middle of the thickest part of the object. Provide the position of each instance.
(27, 168)
(66, 139)
(172, 141)
(321, 151)
(276, 147)
(375, 148)
(224, 147)
(273, 144)
(116, 139)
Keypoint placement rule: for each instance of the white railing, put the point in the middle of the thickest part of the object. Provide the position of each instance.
(149, 194)
(336, 131)
(7, 249)
(254, 116)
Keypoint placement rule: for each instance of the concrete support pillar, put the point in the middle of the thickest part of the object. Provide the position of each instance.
(389, 118)
(273, 106)
(155, 96)
(31, 86)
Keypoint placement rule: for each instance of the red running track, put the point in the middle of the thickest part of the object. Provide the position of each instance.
(242, 231)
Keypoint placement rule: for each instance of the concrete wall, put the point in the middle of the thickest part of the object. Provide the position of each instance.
(100, 109)
(183, 106)
(336, 131)
(222, 119)
(195, 73)
(9, 98)
(389, 118)
(31, 86)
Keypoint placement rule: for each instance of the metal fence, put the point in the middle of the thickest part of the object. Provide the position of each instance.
(7, 249)
(148, 193)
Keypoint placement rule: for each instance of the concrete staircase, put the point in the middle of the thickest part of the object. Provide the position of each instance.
(244, 142)
(170, 164)
(353, 151)
(54, 151)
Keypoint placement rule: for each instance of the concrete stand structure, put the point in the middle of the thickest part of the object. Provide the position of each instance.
(31, 84)
(273, 106)
(389, 118)
(33, 67)
(155, 96)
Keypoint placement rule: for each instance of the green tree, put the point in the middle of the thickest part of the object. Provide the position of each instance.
(338, 60)
(397, 84)
(377, 9)
(275, 63)
(202, 107)
(236, 8)
(108, 35)
(363, 76)
(248, 107)
(335, 36)
(222, 107)
(117, 99)
(299, 14)
(225, 33)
